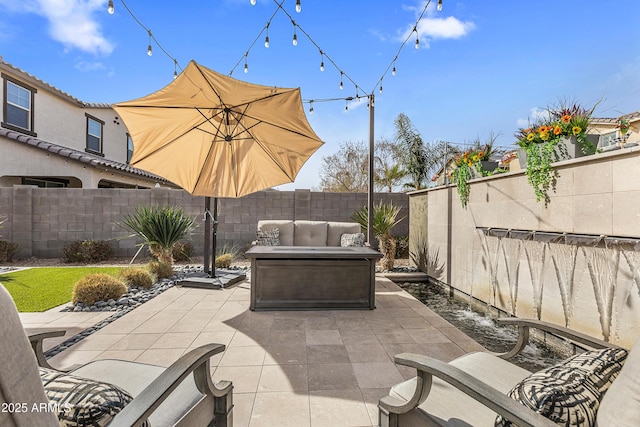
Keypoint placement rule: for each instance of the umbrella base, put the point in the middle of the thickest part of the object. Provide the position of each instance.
(222, 279)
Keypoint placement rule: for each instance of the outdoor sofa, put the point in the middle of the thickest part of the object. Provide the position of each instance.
(34, 394)
(304, 233)
(588, 389)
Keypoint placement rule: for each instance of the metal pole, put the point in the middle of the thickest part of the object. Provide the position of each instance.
(215, 236)
(371, 151)
(207, 234)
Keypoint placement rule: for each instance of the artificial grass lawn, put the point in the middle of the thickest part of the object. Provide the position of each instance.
(39, 289)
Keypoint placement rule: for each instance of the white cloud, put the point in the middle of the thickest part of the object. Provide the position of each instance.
(71, 22)
(85, 66)
(433, 26)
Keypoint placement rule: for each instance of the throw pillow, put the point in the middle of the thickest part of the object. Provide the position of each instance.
(352, 239)
(83, 402)
(268, 237)
(569, 393)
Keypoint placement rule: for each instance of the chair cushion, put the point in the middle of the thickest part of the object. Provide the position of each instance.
(352, 239)
(624, 394)
(335, 230)
(285, 227)
(569, 393)
(80, 401)
(310, 233)
(268, 237)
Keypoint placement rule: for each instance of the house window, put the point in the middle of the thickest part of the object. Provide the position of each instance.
(607, 139)
(94, 135)
(18, 106)
(46, 182)
(129, 148)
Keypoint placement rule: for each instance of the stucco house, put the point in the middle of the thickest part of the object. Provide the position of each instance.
(609, 133)
(48, 138)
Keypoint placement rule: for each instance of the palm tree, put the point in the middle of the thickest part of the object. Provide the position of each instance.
(161, 228)
(384, 219)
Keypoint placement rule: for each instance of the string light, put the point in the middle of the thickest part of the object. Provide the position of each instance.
(346, 105)
(393, 72)
(110, 8)
(321, 61)
(253, 2)
(417, 38)
(439, 6)
(175, 69)
(380, 86)
(311, 107)
(246, 67)
(295, 36)
(341, 85)
(266, 39)
(299, 6)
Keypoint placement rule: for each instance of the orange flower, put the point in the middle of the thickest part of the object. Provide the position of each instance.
(557, 130)
(566, 118)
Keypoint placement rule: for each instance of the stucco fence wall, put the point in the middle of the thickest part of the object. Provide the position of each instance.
(589, 286)
(42, 220)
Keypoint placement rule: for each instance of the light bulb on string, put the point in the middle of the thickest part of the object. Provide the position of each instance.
(110, 8)
(311, 107)
(321, 61)
(175, 69)
(380, 87)
(266, 42)
(346, 105)
(299, 6)
(341, 85)
(295, 39)
(417, 38)
(149, 49)
(253, 2)
(439, 6)
(246, 68)
(393, 72)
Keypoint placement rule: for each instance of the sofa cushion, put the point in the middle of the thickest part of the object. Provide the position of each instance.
(268, 237)
(81, 401)
(569, 393)
(620, 406)
(284, 226)
(310, 233)
(348, 240)
(335, 230)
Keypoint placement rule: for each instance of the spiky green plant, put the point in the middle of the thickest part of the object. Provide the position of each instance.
(160, 228)
(385, 217)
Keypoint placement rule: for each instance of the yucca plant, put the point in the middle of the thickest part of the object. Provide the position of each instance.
(161, 228)
(385, 217)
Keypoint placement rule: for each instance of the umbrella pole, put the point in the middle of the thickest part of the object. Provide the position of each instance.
(215, 235)
(207, 233)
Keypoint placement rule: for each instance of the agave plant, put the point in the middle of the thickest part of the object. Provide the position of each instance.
(384, 219)
(161, 228)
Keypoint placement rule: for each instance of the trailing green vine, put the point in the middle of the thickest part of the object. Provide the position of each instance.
(540, 175)
(461, 176)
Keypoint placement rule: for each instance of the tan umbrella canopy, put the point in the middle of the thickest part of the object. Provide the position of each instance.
(217, 136)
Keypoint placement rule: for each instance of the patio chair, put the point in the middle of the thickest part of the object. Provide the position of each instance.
(163, 396)
(598, 387)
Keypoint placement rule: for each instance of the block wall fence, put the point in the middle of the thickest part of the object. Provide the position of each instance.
(42, 220)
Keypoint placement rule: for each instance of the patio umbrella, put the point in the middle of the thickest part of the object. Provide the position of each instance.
(216, 136)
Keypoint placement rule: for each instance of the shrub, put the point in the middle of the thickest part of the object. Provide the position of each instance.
(97, 287)
(224, 261)
(160, 269)
(7, 251)
(87, 251)
(136, 277)
(182, 251)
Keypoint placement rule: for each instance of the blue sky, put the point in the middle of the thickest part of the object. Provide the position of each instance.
(481, 67)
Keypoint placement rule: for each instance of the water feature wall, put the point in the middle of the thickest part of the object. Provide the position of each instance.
(575, 262)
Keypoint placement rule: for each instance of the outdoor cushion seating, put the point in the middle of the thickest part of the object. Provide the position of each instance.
(485, 389)
(308, 233)
(163, 396)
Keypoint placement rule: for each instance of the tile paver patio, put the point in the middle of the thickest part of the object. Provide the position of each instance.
(289, 368)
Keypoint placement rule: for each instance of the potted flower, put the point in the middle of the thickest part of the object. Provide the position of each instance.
(473, 163)
(561, 135)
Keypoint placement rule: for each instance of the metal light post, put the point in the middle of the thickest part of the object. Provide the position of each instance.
(371, 159)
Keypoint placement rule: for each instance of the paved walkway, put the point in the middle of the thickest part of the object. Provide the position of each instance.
(289, 368)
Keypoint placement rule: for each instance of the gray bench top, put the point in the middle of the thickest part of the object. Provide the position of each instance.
(278, 252)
